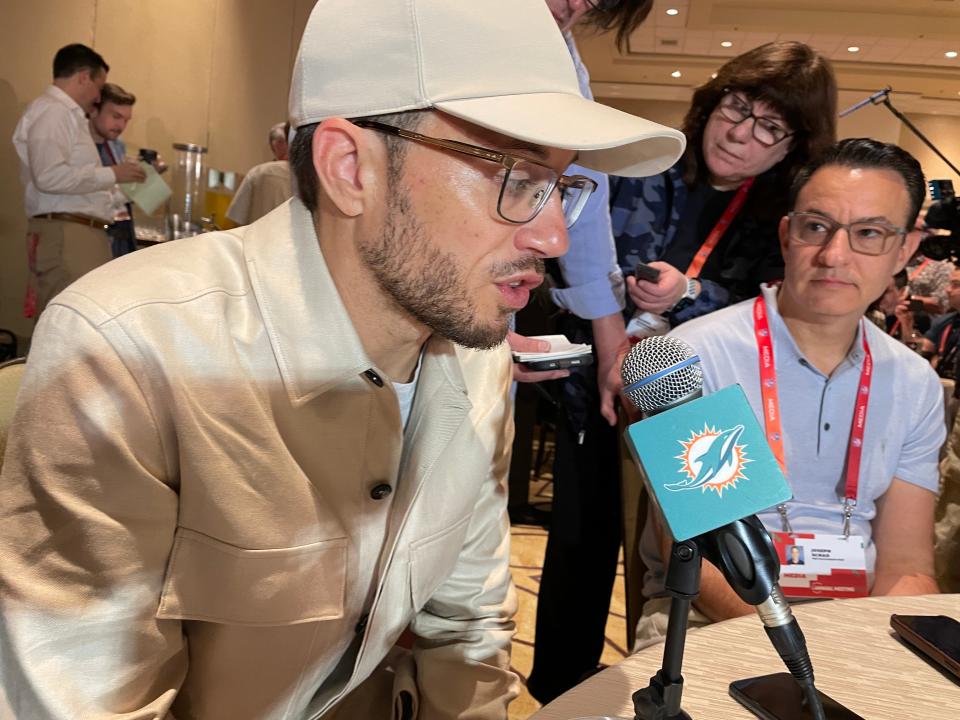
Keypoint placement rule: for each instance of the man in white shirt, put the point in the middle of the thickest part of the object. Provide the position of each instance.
(67, 190)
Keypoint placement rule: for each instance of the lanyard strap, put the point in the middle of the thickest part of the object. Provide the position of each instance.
(710, 244)
(918, 269)
(771, 407)
(943, 338)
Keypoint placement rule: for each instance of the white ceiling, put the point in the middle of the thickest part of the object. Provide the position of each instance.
(912, 32)
(902, 44)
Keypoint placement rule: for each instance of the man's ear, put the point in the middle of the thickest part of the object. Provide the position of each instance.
(345, 163)
(784, 231)
(908, 248)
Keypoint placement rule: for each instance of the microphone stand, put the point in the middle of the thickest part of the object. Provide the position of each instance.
(882, 97)
(743, 552)
(660, 700)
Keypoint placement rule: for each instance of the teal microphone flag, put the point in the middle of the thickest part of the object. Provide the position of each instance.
(707, 463)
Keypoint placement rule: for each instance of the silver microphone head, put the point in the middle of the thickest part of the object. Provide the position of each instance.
(660, 372)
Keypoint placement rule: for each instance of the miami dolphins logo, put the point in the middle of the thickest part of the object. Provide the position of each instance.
(712, 459)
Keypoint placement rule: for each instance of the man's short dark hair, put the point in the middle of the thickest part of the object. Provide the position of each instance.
(71, 59)
(621, 15)
(872, 154)
(111, 93)
(301, 153)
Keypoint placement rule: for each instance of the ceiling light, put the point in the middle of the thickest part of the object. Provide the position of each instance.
(672, 11)
(726, 43)
(951, 53)
(714, 76)
(853, 48)
(675, 73)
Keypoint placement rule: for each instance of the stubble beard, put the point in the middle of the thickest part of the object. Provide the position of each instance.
(425, 282)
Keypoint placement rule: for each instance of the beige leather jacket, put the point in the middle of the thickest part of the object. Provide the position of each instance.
(188, 521)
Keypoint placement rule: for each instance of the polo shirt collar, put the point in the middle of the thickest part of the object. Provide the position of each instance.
(855, 355)
(311, 334)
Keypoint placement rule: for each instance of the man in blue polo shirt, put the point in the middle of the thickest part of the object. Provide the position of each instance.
(842, 243)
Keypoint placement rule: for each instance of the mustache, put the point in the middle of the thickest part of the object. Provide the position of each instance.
(505, 269)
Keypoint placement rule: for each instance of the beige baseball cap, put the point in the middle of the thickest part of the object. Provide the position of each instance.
(500, 64)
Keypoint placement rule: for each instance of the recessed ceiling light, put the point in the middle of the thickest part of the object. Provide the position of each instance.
(951, 53)
(726, 43)
(672, 11)
(714, 76)
(853, 48)
(675, 73)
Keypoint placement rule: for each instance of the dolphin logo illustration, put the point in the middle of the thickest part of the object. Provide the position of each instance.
(720, 454)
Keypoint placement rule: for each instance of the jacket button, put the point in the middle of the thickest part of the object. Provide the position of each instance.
(361, 625)
(379, 492)
(374, 378)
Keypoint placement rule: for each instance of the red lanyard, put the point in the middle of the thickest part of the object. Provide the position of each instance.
(918, 269)
(943, 338)
(771, 406)
(710, 244)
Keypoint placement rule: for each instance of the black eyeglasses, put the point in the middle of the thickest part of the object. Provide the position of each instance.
(736, 109)
(866, 238)
(525, 186)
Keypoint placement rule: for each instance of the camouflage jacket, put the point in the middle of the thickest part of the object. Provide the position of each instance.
(646, 213)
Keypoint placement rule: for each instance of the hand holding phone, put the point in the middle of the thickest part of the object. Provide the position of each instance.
(642, 271)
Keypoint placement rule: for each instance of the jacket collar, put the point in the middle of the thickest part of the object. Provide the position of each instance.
(312, 336)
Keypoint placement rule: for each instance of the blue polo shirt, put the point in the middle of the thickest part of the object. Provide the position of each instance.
(904, 428)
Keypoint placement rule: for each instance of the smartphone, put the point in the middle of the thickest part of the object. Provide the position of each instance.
(559, 363)
(642, 271)
(935, 636)
(779, 697)
(915, 305)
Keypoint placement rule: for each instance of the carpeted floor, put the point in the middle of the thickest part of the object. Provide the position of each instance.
(526, 561)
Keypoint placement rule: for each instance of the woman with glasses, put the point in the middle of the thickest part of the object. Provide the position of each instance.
(708, 224)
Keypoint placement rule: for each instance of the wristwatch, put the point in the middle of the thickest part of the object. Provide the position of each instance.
(689, 295)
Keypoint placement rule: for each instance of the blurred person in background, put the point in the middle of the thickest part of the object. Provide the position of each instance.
(267, 185)
(67, 191)
(108, 121)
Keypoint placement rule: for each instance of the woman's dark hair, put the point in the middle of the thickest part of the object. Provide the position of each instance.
(868, 154)
(794, 80)
(301, 154)
(622, 15)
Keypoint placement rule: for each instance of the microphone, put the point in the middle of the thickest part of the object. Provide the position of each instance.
(707, 466)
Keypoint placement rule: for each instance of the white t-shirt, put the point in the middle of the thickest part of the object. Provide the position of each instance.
(406, 393)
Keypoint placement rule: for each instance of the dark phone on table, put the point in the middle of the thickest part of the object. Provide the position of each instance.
(642, 271)
(935, 636)
(779, 697)
(559, 363)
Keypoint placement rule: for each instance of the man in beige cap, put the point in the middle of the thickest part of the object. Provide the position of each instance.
(243, 464)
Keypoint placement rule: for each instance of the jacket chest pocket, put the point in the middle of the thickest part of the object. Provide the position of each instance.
(433, 558)
(213, 581)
